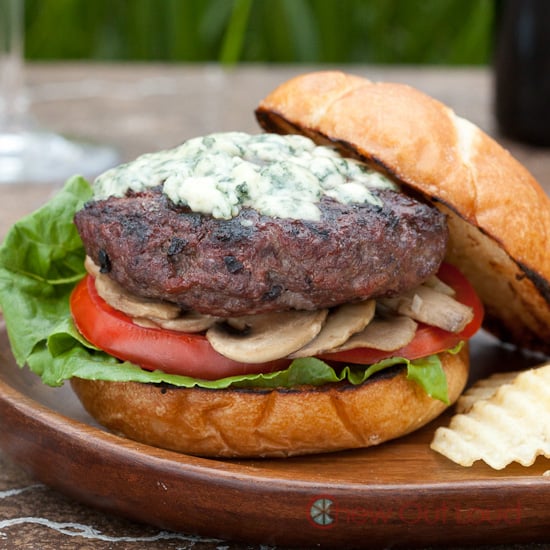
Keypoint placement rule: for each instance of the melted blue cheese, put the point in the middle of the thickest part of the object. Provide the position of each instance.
(219, 174)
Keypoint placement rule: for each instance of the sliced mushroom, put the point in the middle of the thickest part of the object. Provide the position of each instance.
(437, 284)
(147, 313)
(91, 267)
(431, 307)
(340, 324)
(186, 322)
(383, 333)
(134, 306)
(265, 337)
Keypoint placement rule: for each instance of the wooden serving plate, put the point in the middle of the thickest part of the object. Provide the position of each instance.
(398, 494)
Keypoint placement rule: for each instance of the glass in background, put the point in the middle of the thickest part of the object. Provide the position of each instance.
(28, 153)
(522, 70)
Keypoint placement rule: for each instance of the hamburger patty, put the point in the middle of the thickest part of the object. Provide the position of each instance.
(254, 263)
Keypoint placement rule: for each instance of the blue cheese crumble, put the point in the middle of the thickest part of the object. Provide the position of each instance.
(282, 176)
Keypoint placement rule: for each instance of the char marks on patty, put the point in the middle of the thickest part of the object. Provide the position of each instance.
(254, 263)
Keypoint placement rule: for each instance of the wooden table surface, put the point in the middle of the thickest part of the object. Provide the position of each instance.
(141, 108)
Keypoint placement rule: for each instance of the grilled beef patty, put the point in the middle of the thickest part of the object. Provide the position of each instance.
(254, 263)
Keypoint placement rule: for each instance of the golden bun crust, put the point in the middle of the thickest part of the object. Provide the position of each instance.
(253, 423)
(499, 215)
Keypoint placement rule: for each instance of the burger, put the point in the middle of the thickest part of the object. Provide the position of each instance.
(307, 289)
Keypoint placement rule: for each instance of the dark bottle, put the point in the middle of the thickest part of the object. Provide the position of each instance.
(522, 70)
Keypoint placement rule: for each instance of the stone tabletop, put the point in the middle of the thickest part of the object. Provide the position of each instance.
(138, 108)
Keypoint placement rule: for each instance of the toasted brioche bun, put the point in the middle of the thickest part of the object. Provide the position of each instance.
(499, 216)
(262, 423)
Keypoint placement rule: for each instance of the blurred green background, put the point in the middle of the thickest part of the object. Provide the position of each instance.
(274, 31)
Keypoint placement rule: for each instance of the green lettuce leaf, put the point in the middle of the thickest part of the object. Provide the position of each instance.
(42, 258)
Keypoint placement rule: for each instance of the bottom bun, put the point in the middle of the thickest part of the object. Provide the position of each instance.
(269, 423)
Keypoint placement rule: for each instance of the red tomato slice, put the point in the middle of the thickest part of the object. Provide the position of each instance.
(192, 355)
(428, 340)
(151, 348)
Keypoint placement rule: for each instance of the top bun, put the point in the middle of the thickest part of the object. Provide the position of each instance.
(499, 216)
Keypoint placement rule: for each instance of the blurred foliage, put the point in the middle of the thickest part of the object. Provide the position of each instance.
(312, 31)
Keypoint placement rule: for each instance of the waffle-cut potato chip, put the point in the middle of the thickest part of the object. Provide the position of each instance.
(483, 389)
(511, 424)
